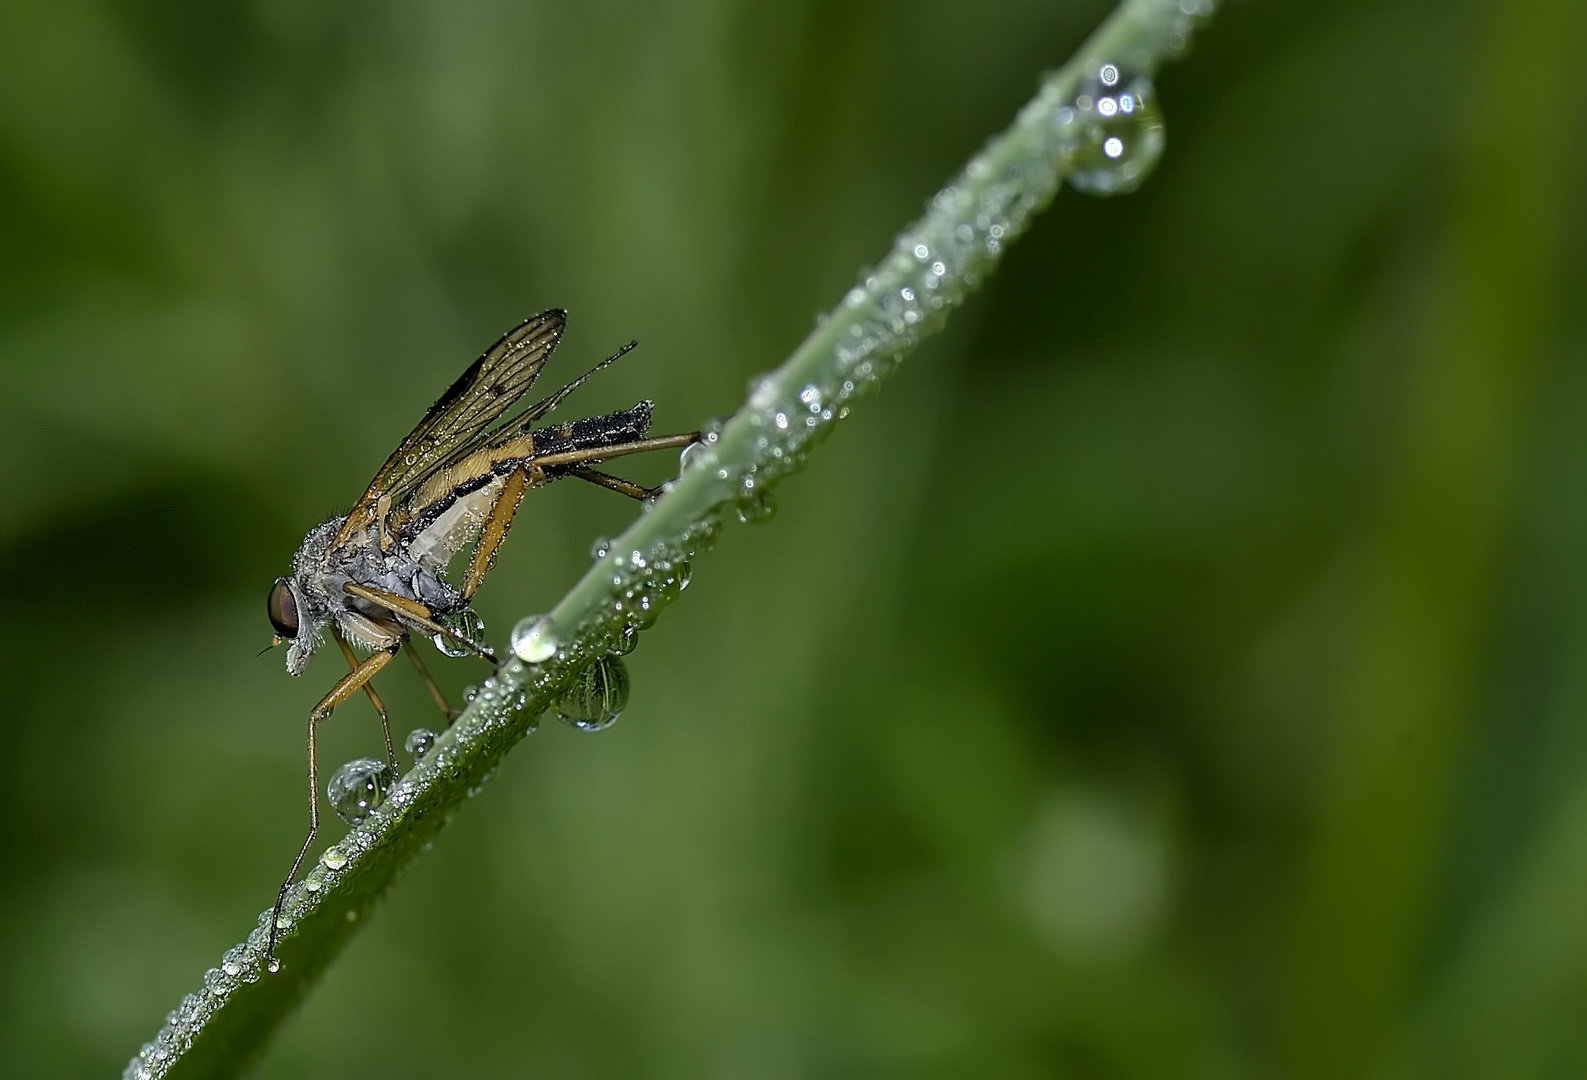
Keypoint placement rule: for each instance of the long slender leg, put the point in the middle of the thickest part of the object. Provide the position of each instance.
(424, 673)
(495, 531)
(349, 685)
(600, 453)
(390, 601)
(374, 698)
(409, 610)
(616, 483)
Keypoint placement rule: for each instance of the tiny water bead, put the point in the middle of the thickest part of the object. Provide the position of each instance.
(356, 788)
(470, 692)
(601, 546)
(597, 697)
(420, 741)
(466, 624)
(534, 639)
(1113, 132)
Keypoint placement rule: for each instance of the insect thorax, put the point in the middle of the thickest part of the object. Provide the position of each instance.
(320, 571)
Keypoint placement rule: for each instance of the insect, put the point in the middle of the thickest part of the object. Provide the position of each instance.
(373, 577)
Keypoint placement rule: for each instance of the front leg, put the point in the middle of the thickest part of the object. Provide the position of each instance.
(416, 613)
(349, 685)
(374, 698)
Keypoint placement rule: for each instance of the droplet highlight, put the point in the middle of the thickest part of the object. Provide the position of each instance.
(534, 639)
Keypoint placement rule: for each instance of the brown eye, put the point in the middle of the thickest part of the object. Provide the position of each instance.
(282, 609)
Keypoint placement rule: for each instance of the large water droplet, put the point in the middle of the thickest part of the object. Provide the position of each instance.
(534, 639)
(357, 787)
(597, 697)
(420, 741)
(465, 623)
(1117, 133)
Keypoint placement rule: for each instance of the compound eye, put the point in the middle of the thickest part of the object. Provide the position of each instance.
(282, 609)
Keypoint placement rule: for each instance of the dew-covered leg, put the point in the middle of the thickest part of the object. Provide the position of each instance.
(495, 531)
(616, 483)
(415, 613)
(348, 685)
(374, 698)
(435, 691)
(586, 455)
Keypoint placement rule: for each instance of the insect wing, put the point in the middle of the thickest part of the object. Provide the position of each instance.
(480, 395)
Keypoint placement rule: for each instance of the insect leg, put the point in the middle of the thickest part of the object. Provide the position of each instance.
(616, 483)
(410, 610)
(374, 698)
(349, 685)
(424, 673)
(600, 453)
(495, 531)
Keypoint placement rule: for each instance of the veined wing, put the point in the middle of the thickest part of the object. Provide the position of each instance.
(519, 425)
(447, 511)
(480, 395)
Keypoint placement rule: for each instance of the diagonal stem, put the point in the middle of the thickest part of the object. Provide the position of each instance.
(931, 268)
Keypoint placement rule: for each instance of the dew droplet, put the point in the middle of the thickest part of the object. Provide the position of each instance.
(534, 639)
(757, 507)
(597, 697)
(470, 692)
(420, 741)
(600, 547)
(218, 983)
(626, 640)
(1116, 133)
(695, 456)
(357, 787)
(334, 858)
(466, 624)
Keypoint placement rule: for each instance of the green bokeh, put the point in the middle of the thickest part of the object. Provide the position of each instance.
(1179, 670)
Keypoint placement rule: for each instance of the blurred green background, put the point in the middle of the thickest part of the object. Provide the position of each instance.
(1180, 670)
